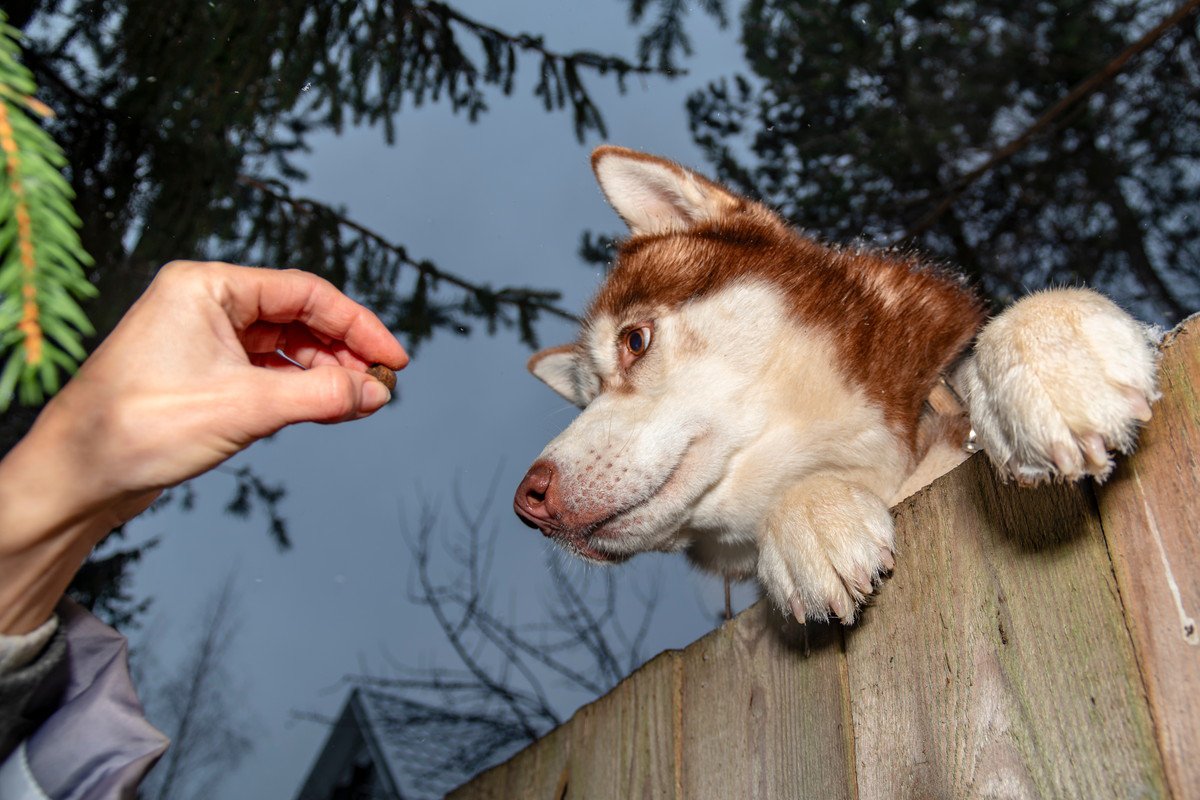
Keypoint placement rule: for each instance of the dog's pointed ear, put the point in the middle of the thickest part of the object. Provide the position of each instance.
(654, 195)
(558, 368)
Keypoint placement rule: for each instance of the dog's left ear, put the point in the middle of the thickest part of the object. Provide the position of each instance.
(557, 368)
(654, 195)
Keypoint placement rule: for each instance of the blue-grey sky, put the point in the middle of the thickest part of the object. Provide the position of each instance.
(501, 201)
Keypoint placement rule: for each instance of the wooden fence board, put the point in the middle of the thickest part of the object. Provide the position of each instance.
(1152, 520)
(539, 771)
(999, 661)
(764, 714)
(624, 745)
(997, 652)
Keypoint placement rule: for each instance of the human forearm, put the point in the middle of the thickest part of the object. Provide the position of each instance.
(190, 377)
(52, 513)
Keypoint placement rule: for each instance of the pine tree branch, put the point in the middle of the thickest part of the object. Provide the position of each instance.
(41, 259)
(308, 206)
(1049, 118)
(530, 43)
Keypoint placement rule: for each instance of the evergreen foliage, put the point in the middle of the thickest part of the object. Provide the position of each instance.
(181, 122)
(41, 259)
(860, 118)
(666, 34)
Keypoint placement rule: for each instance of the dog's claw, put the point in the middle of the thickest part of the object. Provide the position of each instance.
(1138, 407)
(1065, 461)
(861, 581)
(1094, 450)
(798, 610)
(823, 553)
(1022, 477)
(1103, 364)
(843, 608)
(889, 560)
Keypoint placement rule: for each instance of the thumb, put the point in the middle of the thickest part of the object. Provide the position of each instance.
(328, 393)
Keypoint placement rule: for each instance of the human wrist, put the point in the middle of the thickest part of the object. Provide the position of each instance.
(54, 474)
(51, 516)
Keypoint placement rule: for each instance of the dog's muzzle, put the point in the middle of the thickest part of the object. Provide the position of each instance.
(538, 503)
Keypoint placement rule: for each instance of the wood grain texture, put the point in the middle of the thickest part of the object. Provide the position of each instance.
(1151, 517)
(539, 771)
(999, 661)
(764, 713)
(996, 662)
(624, 745)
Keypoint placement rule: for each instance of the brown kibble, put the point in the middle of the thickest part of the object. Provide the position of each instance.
(384, 375)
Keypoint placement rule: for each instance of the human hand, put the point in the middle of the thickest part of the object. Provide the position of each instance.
(188, 378)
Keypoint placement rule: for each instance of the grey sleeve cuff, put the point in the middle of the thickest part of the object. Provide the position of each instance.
(96, 744)
(17, 651)
(32, 680)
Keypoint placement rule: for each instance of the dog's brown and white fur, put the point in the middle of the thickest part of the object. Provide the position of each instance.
(759, 400)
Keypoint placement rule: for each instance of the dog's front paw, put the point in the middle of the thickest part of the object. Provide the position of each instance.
(1057, 382)
(824, 549)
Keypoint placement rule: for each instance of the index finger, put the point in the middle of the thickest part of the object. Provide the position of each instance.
(292, 295)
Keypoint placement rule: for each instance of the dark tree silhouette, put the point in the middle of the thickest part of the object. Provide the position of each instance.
(181, 120)
(861, 119)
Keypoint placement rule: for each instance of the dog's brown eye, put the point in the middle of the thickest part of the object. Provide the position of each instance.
(637, 340)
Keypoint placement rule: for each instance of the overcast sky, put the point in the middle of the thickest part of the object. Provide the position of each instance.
(501, 201)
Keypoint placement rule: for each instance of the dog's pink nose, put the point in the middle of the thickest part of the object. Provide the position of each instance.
(537, 502)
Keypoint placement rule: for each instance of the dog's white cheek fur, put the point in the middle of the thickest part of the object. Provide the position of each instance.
(644, 455)
(1056, 381)
(672, 436)
(810, 420)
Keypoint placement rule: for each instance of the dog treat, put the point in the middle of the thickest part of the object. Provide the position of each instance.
(384, 375)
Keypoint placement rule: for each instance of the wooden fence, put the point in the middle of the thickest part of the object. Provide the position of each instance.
(1031, 643)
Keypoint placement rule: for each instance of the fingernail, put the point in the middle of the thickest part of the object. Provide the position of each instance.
(375, 395)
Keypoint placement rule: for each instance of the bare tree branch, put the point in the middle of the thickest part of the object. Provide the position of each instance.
(196, 709)
(445, 723)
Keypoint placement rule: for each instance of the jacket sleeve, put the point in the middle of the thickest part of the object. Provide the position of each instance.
(33, 676)
(95, 742)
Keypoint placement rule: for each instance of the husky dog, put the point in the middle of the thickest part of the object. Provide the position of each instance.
(759, 400)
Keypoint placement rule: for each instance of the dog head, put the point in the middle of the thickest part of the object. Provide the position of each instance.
(714, 365)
